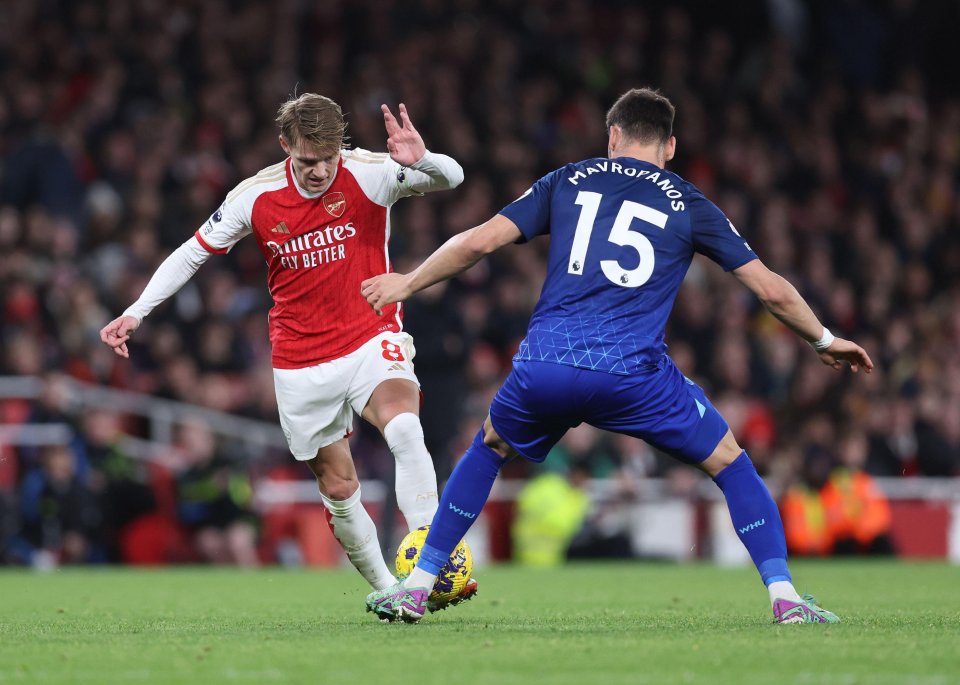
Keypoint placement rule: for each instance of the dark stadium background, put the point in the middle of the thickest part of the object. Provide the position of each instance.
(829, 132)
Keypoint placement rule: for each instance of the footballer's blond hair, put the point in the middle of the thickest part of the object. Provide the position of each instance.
(314, 119)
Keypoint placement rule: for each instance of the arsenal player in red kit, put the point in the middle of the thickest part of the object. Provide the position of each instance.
(322, 221)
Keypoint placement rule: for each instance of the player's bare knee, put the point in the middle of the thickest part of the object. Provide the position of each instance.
(337, 488)
(725, 454)
(495, 442)
(389, 400)
(335, 474)
(382, 416)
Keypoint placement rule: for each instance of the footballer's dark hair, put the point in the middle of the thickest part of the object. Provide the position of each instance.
(644, 115)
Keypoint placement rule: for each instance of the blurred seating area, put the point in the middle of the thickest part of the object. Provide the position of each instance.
(829, 132)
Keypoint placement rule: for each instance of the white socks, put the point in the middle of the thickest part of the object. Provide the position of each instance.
(420, 578)
(416, 479)
(354, 529)
(782, 589)
(416, 497)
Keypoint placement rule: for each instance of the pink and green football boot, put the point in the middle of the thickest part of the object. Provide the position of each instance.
(397, 601)
(804, 611)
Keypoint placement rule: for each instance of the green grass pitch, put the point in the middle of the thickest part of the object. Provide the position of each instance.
(637, 623)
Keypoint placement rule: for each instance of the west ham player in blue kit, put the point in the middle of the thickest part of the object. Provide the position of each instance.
(623, 231)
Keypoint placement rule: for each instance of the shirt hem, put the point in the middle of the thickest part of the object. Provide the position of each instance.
(287, 363)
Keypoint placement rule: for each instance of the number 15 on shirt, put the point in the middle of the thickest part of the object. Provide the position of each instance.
(619, 234)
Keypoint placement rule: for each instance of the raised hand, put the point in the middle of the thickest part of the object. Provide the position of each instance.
(404, 143)
(846, 351)
(118, 332)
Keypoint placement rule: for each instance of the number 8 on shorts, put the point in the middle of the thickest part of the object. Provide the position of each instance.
(391, 351)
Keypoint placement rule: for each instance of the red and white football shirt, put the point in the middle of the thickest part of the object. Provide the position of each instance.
(319, 248)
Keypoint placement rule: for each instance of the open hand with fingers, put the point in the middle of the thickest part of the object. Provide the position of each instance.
(404, 143)
(118, 332)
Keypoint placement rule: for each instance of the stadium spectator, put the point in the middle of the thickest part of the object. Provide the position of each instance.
(550, 509)
(805, 522)
(857, 512)
(121, 483)
(60, 522)
(605, 530)
(213, 500)
(583, 447)
(835, 507)
(557, 515)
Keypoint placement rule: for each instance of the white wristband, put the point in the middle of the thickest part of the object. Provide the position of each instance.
(825, 341)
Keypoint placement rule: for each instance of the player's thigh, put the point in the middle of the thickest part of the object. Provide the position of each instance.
(379, 362)
(534, 407)
(313, 407)
(666, 410)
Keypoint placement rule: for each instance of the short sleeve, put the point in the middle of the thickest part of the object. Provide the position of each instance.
(531, 211)
(714, 235)
(227, 225)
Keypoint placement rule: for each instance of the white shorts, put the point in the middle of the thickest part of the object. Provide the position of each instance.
(317, 403)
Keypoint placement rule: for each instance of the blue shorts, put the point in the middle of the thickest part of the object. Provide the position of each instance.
(540, 401)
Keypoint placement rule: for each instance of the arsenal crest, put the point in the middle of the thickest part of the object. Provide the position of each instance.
(335, 204)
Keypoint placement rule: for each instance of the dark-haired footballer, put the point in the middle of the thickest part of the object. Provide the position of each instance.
(623, 231)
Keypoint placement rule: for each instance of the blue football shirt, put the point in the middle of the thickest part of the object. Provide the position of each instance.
(622, 235)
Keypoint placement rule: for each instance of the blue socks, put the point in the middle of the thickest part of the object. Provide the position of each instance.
(755, 517)
(753, 511)
(462, 500)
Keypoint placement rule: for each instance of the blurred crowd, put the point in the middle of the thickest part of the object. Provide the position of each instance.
(829, 132)
(86, 497)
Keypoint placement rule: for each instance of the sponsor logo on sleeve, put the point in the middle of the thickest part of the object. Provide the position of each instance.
(215, 218)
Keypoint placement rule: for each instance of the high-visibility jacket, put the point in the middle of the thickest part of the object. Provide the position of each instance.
(855, 507)
(805, 522)
(550, 511)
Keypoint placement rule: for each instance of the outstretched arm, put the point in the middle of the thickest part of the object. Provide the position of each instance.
(423, 171)
(170, 276)
(453, 257)
(783, 301)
